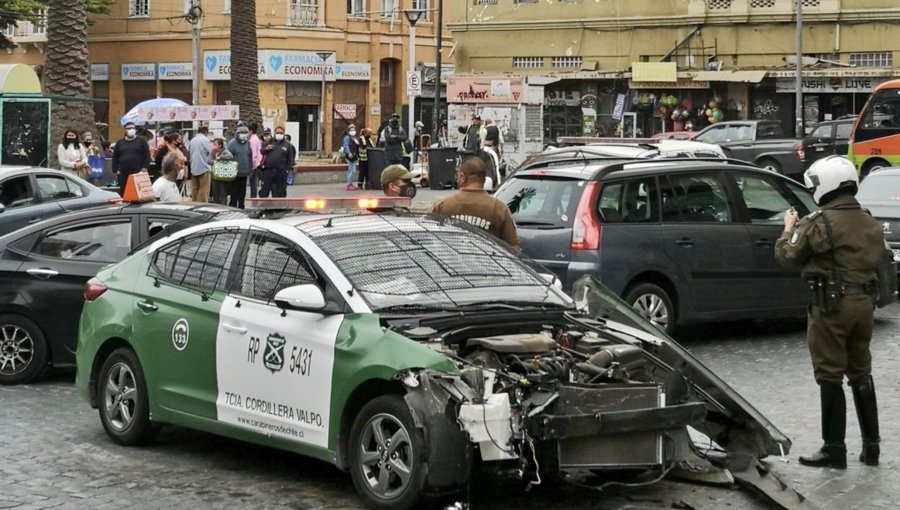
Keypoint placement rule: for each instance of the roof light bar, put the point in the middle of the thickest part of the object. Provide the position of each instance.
(327, 203)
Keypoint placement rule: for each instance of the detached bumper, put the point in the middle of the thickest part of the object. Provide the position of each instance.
(552, 427)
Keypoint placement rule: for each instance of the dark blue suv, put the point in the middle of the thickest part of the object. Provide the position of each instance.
(682, 241)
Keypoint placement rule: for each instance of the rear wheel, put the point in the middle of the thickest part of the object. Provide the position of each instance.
(770, 165)
(873, 165)
(654, 304)
(387, 455)
(124, 405)
(23, 350)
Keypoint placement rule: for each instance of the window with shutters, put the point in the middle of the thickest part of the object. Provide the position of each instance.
(138, 8)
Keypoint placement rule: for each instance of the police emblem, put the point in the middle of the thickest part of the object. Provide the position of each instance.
(795, 236)
(273, 357)
(886, 227)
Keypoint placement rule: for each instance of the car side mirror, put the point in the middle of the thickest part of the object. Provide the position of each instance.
(306, 297)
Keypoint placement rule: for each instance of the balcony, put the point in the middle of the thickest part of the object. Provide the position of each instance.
(303, 14)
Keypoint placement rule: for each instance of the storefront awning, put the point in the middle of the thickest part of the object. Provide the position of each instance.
(731, 76)
(18, 79)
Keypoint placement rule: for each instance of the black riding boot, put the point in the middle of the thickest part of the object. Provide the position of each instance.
(833, 453)
(867, 413)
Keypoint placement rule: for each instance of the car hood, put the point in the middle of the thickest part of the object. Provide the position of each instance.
(732, 421)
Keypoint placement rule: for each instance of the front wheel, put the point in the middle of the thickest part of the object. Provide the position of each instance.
(770, 165)
(124, 405)
(387, 455)
(23, 350)
(654, 304)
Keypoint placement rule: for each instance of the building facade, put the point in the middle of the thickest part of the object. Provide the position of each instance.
(142, 50)
(650, 66)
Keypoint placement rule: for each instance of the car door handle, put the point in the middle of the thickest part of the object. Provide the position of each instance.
(234, 329)
(42, 273)
(147, 307)
(685, 242)
(762, 242)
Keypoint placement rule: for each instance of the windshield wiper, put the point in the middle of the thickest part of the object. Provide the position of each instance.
(537, 223)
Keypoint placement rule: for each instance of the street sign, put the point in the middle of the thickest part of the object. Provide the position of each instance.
(413, 83)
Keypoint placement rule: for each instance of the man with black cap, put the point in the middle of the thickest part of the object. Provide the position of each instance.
(394, 137)
(396, 181)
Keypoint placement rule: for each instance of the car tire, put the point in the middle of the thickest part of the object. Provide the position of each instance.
(384, 438)
(873, 165)
(770, 165)
(23, 350)
(122, 399)
(654, 304)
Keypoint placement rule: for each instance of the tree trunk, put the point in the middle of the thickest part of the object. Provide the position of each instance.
(67, 71)
(244, 62)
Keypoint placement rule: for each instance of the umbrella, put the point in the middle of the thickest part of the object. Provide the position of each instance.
(132, 115)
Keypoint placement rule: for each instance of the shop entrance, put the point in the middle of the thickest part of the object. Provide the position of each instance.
(306, 116)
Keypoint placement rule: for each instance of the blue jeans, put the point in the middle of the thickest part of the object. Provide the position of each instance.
(351, 169)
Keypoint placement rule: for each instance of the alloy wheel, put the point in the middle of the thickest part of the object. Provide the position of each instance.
(16, 349)
(652, 308)
(120, 397)
(386, 456)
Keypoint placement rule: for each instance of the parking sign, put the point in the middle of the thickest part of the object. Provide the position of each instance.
(413, 83)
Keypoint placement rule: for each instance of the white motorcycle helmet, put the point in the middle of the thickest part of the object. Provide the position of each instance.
(829, 174)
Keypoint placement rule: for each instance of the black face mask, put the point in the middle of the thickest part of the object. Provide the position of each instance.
(395, 123)
(70, 141)
(408, 190)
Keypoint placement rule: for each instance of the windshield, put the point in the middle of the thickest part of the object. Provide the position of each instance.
(879, 188)
(882, 111)
(543, 201)
(427, 262)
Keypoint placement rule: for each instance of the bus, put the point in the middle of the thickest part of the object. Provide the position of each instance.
(875, 140)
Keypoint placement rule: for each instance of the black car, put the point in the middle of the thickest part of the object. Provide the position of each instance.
(44, 268)
(681, 241)
(880, 194)
(31, 194)
(827, 139)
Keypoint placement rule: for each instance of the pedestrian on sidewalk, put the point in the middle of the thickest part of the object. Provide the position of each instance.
(219, 189)
(165, 189)
(365, 141)
(350, 146)
(131, 155)
(395, 139)
(258, 160)
(837, 249)
(200, 151)
(240, 149)
(278, 154)
(473, 205)
(71, 156)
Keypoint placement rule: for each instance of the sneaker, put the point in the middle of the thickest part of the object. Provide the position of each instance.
(351, 187)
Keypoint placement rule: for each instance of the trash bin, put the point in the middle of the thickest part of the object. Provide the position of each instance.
(375, 157)
(442, 164)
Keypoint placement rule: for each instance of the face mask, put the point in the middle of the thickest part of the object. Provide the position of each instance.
(395, 123)
(70, 141)
(352, 133)
(242, 137)
(130, 132)
(279, 137)
(408, 190)
(181, 174)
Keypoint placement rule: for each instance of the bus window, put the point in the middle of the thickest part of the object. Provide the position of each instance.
(883, 112)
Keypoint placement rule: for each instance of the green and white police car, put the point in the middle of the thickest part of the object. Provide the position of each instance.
(402, 349)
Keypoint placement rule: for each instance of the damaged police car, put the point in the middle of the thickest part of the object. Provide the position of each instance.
(402, 349)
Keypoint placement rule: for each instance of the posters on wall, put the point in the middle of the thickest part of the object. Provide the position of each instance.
(189, 113)
(506, 119)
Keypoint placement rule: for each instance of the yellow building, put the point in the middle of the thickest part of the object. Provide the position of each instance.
(597, 59)
(142, 50)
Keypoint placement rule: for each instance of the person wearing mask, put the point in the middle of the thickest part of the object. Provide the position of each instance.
(72, 159)
(200, 150)
(218, 190)
(165, 189)
(278, 153)
(492, 162)
(837, 250)
(240, 150)
(258, 160)
(394, 139)
(396, 181)
(132, 155)
(473, 135)
(473, 205)
(365, 141)
(493, 134)
(95, 157)
(170, 147)
(290, 175)
(350, 145)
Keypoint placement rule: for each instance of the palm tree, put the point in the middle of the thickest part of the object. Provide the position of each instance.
(244, 61)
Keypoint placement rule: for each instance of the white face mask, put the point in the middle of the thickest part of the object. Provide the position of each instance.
(130, 132)
(353, 133)
(279, 137)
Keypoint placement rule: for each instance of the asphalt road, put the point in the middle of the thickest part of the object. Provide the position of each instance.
(54, 453)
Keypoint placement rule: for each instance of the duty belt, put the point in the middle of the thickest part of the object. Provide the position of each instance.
(855, 290)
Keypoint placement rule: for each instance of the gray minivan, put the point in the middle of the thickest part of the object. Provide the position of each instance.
(682, 241)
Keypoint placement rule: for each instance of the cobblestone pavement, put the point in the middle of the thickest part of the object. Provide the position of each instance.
(54, 453)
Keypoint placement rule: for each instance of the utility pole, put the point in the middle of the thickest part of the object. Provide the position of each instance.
(435, 117)
(324, 56)
(412, 17)
(798, 79)
(194, 17)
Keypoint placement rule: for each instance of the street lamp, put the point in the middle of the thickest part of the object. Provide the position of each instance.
(324, 56)
(798, 77)
(413, 17)
(437, 72)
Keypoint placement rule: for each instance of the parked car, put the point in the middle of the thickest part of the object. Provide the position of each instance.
(279, 332)
(826, 139)
(757, 141)
(880, 194)
(31, 194)
(674, 135)
(43, 269)
(682, 241)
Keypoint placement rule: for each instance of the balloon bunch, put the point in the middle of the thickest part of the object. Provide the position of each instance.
(666, 103)
(713, 113)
